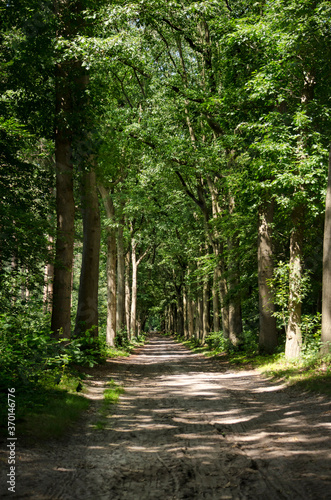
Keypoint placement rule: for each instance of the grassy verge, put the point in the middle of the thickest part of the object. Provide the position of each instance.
(111, 397)
(123, 347)
(45, 411)
(311, 373)
(48, 384)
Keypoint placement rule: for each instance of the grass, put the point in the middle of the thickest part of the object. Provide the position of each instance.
(44, 410)
(126, 348)
(110, 397)
(54, 417)
(312, 374)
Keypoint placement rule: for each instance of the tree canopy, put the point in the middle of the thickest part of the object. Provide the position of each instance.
(172, 158)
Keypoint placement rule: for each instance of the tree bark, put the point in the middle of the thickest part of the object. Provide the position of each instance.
(48, 280)
(222, 287)
(268, 331)
(293, 332)
(87, 310)
(185, 313)
(111, 268)
(190, 317)
(65, 211)
(205, 309)
(326, 291)
(216, 310)
(199, 319)
(134, 286)
(69, 82)
(120, 309)
(180, 314)
(127, 294)
(235, 318)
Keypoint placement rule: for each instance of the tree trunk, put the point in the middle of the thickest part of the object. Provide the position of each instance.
(134, 285)
(216, 310)
(70, 82)
(120, 310)
(205, 309)
(223, 290)
(111, 269)
(190, 318)
(48, 280)
(293, 333)
(127, 294)
(199, 319)
(235, 319)
(268, 331)
(65, 210)
(326, 293)
(185, 313)
(87, 310)
(180, 314)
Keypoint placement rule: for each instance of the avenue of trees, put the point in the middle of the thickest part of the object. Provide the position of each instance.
(164, 165)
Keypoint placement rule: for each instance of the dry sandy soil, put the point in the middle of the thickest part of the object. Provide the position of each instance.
(186, 428)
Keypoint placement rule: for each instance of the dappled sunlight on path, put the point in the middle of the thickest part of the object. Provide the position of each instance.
(189, 427)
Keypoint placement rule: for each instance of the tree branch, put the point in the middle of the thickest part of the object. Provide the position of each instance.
(143, 255)
(146, 75)
(187, 190)
(188, 39)
(228, 6)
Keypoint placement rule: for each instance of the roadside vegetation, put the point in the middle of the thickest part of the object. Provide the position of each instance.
(312, 372)
(48, 375)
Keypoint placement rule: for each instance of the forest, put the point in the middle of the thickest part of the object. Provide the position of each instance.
(165, 166)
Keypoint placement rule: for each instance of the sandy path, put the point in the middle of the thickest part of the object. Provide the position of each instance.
(187, 428)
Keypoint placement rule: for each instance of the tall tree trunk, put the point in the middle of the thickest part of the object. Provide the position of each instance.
(120, 310)
(48, 280)
(111, 268)
(134, 286)
(128, 294)
(180, 314)
(190, 317)
(65, 210)
(199, 319)
(70, 82)
(235, 318)
(87, 310)
(293, 331)
(216, 309)
(219, 273)
(326, 294)
(223, 290)
(185, 313)
(205, 309)
(268, 331)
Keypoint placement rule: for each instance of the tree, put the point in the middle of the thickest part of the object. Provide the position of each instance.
(326, 298)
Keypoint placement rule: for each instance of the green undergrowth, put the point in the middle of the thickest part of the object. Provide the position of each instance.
(124, 347)
(46, 374)
(45, 410)
(110, 397)
(312, 372)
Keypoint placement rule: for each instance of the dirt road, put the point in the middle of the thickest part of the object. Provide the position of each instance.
(187, 428)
